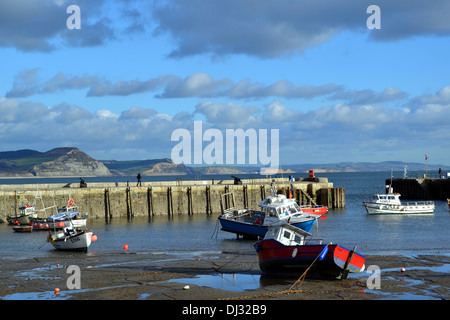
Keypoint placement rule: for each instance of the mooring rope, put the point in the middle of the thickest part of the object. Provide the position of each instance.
(290, 290)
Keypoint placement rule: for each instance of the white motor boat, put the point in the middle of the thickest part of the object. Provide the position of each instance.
(390, 203)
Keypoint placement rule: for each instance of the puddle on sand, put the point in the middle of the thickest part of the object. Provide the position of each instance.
(50, 295)
(225, 281)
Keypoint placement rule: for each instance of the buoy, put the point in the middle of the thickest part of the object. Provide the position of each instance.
(94, 237)
(402, 269)
(125, 247)
(61, 224)
(56, 290)
(57, 265)
(186, 288)
(198, 259)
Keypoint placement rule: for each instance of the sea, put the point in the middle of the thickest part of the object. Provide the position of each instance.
(183, 234)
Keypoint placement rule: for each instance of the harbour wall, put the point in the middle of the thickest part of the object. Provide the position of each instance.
(421, 188)
(108, 200)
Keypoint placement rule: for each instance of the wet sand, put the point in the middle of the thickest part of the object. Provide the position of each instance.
(162, 276)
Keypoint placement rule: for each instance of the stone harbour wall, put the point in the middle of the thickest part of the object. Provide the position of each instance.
(108, 200)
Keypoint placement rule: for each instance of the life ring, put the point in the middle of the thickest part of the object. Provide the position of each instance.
(70, 203)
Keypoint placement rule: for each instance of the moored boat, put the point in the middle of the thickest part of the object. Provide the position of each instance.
(23, 217)
(390, 203)
(286, 250)
(40, 224)
(70, 239)
(23, 228)
(275, 210)
(318, 210)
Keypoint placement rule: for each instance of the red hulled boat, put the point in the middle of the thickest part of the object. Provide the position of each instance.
(284, 249)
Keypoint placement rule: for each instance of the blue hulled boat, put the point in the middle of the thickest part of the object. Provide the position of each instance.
(274, 210)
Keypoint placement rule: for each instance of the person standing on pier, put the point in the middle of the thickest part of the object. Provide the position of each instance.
(139, 184)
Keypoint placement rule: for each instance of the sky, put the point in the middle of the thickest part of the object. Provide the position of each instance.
(316, 71)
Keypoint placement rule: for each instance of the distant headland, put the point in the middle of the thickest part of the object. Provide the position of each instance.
(71, 161)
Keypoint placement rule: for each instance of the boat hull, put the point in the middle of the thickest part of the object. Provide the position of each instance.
(77, 242)
(317, 210)
(26, 229)
(276, 258)
(416, 208)
(258, 230)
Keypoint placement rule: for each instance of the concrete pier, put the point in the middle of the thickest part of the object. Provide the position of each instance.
(421, 188)
(108, 200)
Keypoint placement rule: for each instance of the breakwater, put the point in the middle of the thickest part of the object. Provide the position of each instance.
(421, 188)
(121, 199)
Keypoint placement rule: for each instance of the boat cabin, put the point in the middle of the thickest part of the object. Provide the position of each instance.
(26, 210)
(287, 235)
(389, 198)
(280, 206)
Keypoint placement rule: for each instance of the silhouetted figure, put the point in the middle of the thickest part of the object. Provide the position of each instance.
(83, 183)
(139, 184)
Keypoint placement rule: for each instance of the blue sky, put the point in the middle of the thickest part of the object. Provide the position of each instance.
(138, 70)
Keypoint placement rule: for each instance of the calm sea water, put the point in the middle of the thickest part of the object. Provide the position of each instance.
(184, 235)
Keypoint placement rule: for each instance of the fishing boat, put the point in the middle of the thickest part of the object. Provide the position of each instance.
(23, 228)
(40, 224)
(70, 239)
(66, 214)
(23, 217)
(274, 210)
(286, 250)
(63, 234)
(390, 203)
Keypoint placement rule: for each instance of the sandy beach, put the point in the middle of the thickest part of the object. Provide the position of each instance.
(162, 276)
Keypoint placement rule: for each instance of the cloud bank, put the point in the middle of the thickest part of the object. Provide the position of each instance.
(146, 132)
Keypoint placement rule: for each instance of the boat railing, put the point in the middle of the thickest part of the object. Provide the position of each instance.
(421, 203)
(314, 241)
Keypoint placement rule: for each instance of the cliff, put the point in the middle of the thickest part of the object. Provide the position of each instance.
(54, 163)
(168, 168)
(74, 162)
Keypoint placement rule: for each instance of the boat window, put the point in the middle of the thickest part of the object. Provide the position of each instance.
(391, 197)
(272, 212)
(287, 234)
(292, 209)
(271, 233)
(298, 239)
(282, 211)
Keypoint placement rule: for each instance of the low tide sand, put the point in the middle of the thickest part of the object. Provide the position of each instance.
(161, 276)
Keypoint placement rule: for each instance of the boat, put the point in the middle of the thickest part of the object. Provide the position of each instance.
(68, 213)
(448, 202)
(40, 224)
(64, 235)
(390, 203)
(67, 218)
(286, 250)
(274, 210)
(23, 217)
(318, 210)
(70, 239)
(23, 228)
